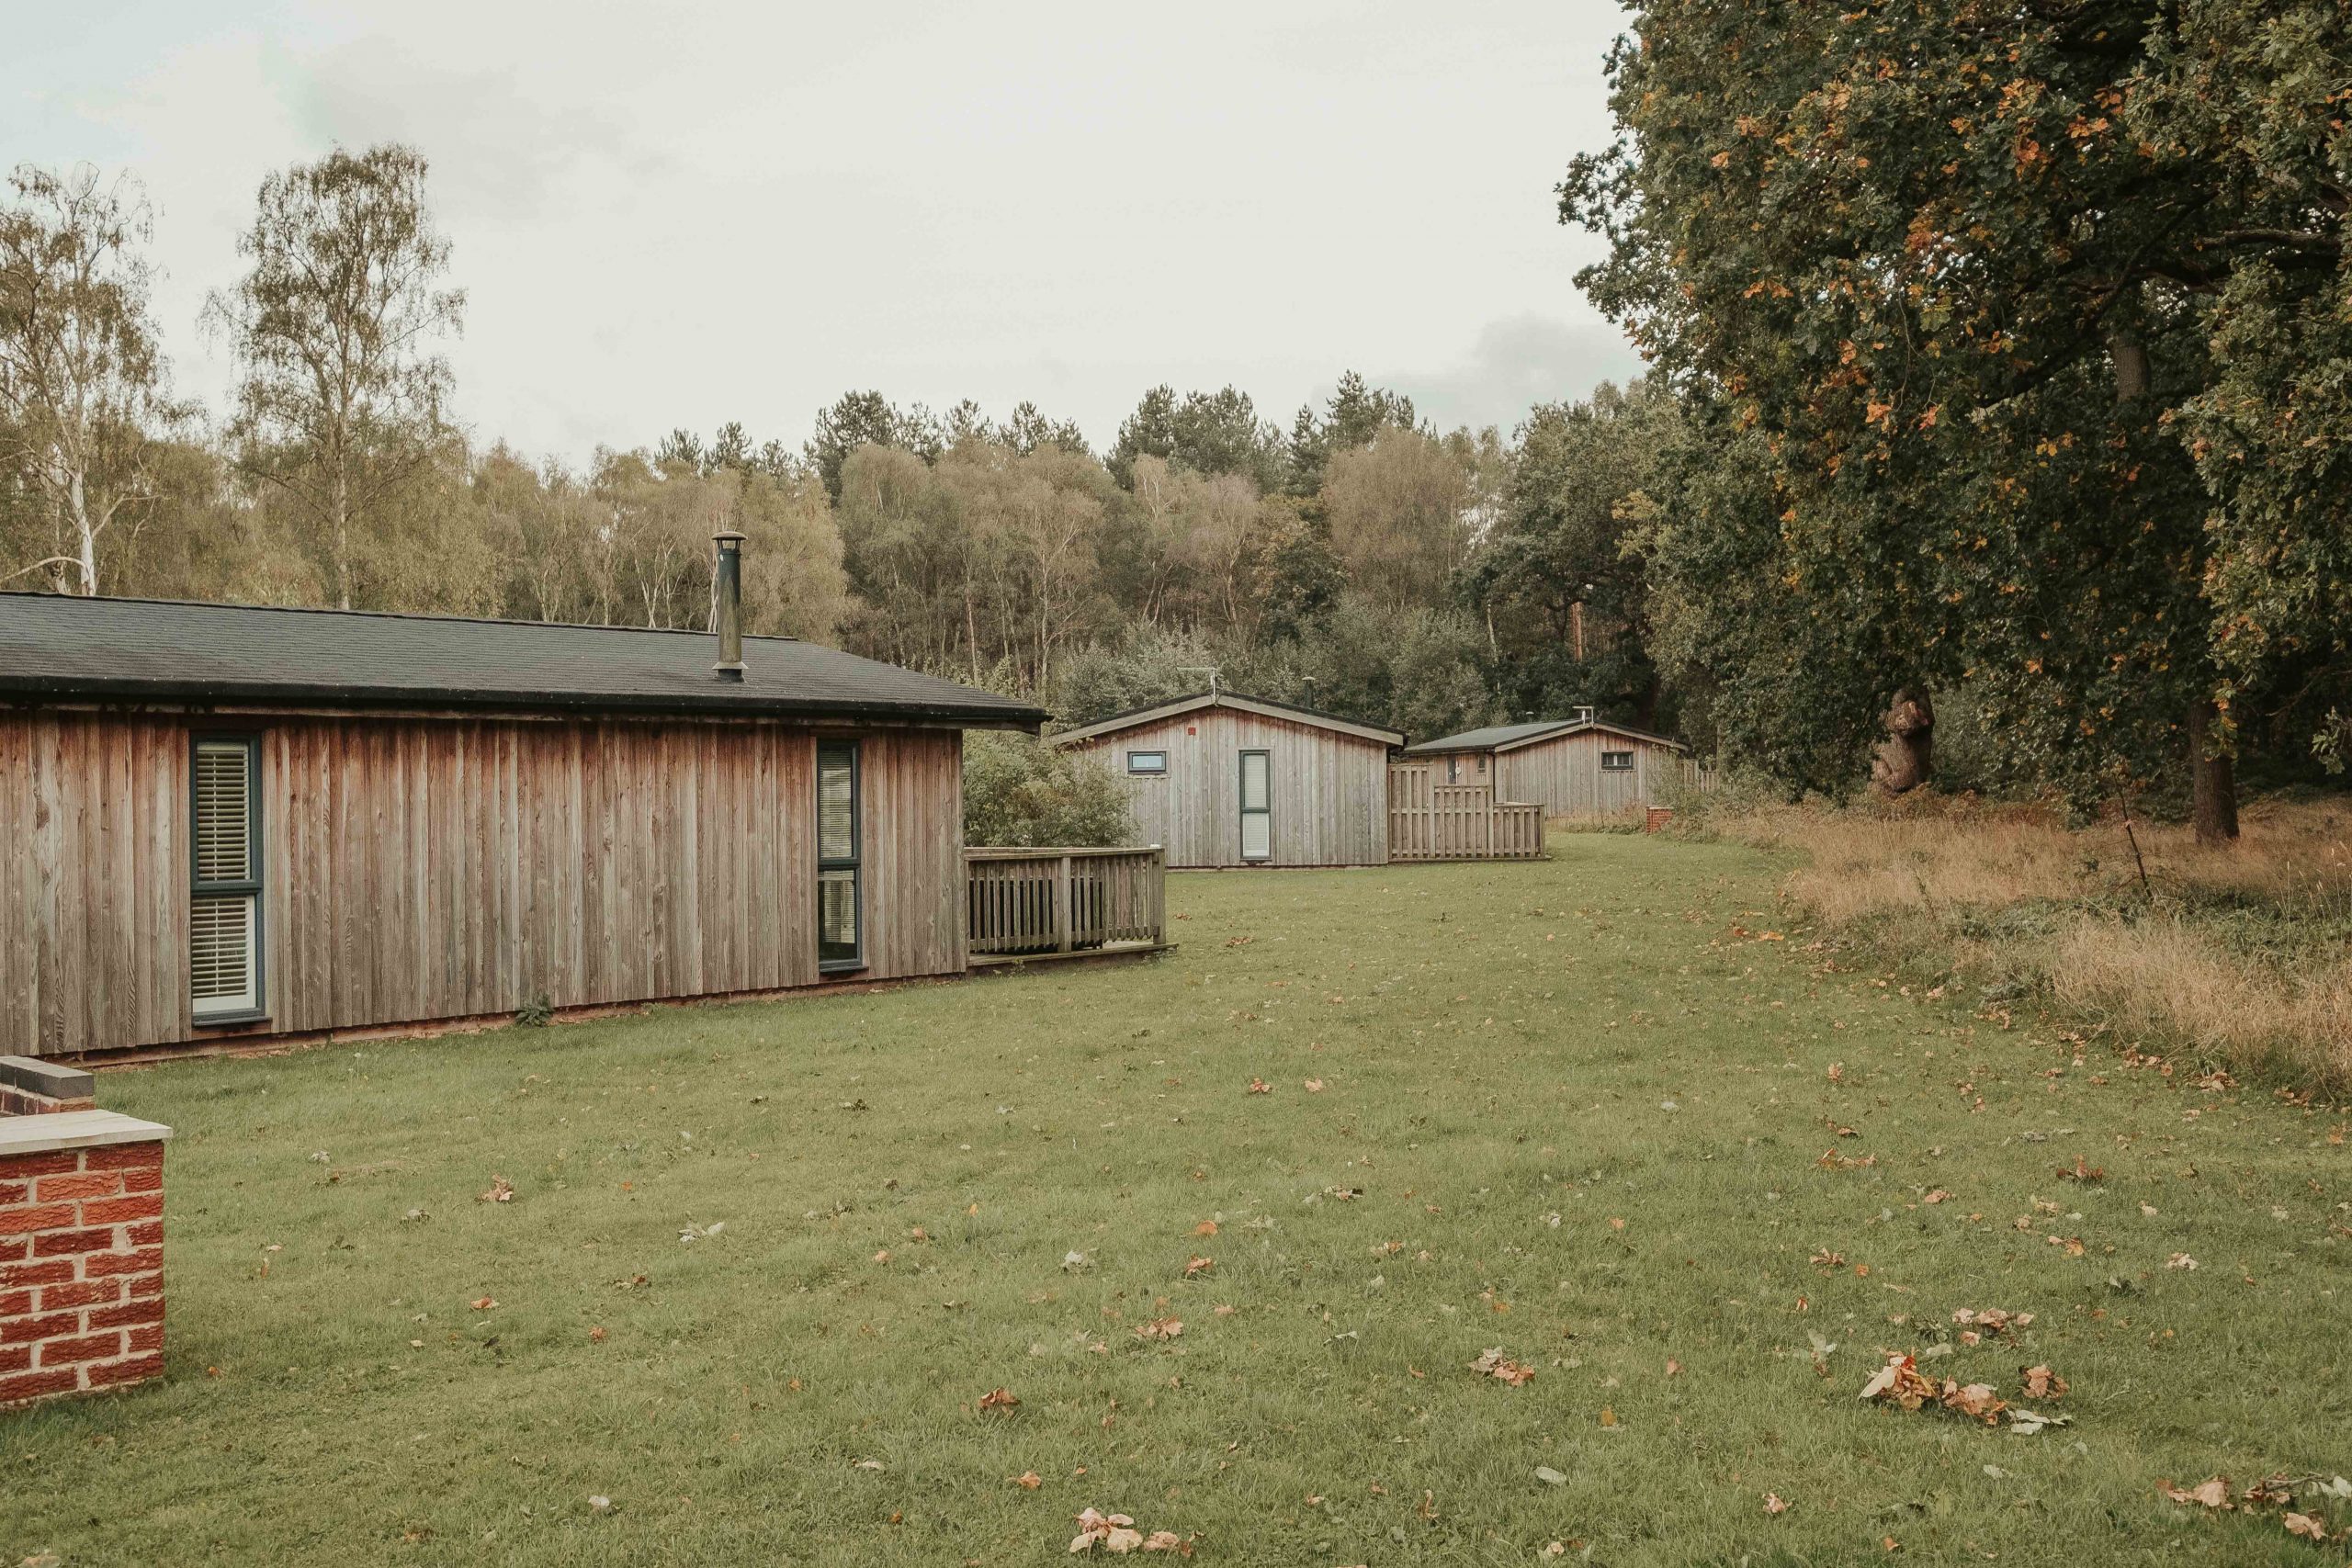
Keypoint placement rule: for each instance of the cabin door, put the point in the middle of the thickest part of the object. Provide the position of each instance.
(1257, 806)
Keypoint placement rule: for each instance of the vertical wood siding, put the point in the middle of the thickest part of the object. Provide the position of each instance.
(423, 869)
(1564, 774)
(1330, 791)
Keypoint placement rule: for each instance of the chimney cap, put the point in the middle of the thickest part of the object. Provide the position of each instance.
(728, 536)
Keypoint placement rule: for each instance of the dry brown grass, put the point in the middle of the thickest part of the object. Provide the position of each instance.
(2243, 955)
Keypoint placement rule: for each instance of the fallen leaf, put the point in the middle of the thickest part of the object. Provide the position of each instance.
(1206, 1227)
(1315, 1086)
(1028, 1481)
(1976, 1399)
(1160, 1328)
(481, 1303)
(998, 1398)
(2181, 1260)
(1199, 1266)
(501, 1191)
(1901, 1381)
(1493, 1363)
(1774, 1504)
(2305, 1525)
(1550, 1477)
(1260, 1086)
(2211, 1493)
(2041, 1382)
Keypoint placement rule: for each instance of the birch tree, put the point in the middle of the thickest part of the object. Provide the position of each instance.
(80, 373)
(342, 395)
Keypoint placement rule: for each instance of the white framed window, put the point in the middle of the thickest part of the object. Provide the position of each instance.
(224, 909)
(1146, 764)
(1616, 762)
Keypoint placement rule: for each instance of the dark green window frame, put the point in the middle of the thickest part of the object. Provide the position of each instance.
(838, 958)
(1241, 785)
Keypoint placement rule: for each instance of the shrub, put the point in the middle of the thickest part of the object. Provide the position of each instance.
(1020, 791)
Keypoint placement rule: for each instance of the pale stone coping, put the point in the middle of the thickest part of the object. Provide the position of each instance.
(75, 1130)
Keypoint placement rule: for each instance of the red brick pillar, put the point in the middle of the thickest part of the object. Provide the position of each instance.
(81, 1253)
(1656, 817)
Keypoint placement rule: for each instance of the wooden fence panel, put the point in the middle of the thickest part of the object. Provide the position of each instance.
(1428, 820)
(1025, 901)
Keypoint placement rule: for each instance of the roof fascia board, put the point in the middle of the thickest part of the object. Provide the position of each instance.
(1227, 700)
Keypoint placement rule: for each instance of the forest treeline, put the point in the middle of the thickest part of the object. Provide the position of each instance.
(1357, 558)
(1996, 434)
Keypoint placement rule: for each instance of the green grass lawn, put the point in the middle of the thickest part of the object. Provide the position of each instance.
(1573, 1109)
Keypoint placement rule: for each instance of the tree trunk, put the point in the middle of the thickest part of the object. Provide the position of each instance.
(2212, 780)
(85, 537)
(342, 536)
(2130, 357)
(1906, 758)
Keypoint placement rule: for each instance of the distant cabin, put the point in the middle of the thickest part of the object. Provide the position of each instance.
(225, 823)
(1222, 778)
(1572, 767)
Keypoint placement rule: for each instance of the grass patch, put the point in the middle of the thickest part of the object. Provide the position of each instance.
(1575, 1109)
(2241, 956)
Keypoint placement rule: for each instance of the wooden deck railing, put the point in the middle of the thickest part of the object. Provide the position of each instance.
(1694, 777)
(1428, 820)
(1022, 902)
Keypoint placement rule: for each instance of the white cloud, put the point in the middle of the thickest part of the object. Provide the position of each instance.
(1515, 364)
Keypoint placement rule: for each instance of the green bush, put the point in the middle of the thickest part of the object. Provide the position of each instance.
(1020, 791)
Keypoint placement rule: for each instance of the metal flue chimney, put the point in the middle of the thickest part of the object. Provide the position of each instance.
(727, 604)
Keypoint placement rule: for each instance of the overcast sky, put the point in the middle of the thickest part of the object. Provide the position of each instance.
(683, 214)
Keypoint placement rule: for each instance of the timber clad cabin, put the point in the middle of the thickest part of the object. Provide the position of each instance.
(1571, 767)
(1221, 779)
(226, 822)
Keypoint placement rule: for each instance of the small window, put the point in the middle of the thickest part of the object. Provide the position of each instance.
(224, 913)
(1147, 763)
(840, 902)
(1616, 762)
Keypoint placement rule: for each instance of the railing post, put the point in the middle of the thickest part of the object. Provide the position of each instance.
(1061, 908)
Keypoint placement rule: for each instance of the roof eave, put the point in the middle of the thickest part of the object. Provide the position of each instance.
(1021, 718)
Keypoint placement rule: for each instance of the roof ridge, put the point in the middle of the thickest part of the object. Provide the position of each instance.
(376, 615)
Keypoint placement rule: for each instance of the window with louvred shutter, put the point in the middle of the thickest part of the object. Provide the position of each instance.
(224, 916)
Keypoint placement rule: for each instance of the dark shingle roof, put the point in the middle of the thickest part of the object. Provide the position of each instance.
(1497, 736)
(139, 649)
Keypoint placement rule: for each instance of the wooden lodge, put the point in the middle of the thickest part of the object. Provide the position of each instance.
(1221, 779)
(1571, 767)
(226, 823)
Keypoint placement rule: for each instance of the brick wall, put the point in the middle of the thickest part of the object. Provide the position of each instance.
(81, 1253)
(29, 1087)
